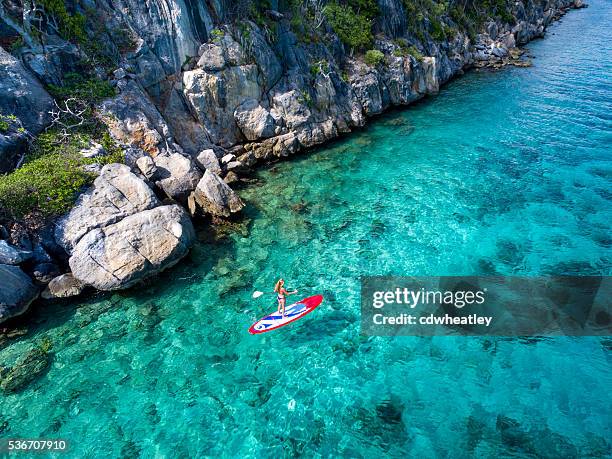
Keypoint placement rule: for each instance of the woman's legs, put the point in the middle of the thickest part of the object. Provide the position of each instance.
(281, 306)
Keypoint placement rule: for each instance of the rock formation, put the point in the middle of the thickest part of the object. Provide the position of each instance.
(24, 99)
(139, 246)
(16, 292)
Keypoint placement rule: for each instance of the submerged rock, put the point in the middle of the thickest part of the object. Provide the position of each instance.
(16, 292)
(141, 245)
(215, 197)
(26, 370)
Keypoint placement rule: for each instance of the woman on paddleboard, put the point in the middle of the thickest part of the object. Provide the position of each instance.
(281, 295)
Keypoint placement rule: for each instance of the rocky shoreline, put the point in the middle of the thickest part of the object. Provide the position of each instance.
(195, 111)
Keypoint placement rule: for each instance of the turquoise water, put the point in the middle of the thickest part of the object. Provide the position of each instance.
(504, 173)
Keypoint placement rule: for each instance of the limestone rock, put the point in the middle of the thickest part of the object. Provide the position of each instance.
(22, 96)
(207, 160)
(63, 286)
(215, 96)
(93, 151)
(141, 245)
(119, 73)
(13, 143)
(279, 146)
(508, 41)
(266, 59)
(292, 107)
(211, 57)
(492, 29)
(499, 51)
(16, 292)
(147, 166)
(10, 255)
(116, 193)
(215, 197)
(368, 90)
(231, 177)
(134, 120)
(235, 166)
(51, 63)
(254, 121)
(176, 175)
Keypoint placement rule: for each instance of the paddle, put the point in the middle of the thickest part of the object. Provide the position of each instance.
(257, 293)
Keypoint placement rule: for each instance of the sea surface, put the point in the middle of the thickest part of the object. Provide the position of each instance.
(506, 172)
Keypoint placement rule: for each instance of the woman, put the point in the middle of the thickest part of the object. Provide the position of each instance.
(281, 295)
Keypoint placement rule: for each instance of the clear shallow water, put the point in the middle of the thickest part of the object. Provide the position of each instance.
(504, 173)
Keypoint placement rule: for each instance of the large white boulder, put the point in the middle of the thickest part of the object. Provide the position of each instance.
(117, 193)
(141, 245)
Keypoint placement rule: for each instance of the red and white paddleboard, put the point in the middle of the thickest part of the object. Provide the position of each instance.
(292, 313)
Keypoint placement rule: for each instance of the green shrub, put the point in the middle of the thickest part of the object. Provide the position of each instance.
(405, 50)
(71, 26)
(414, 52)
(354, 30)
(318, 67)
(53, 174)
(217, 35)
(437, 30)
(16, 45)
(89, 90)
(48, 184)
(6, 121)
(374, 57)
(306, 98)
(367, 8)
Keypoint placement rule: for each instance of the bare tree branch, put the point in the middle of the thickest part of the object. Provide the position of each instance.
(68, 117)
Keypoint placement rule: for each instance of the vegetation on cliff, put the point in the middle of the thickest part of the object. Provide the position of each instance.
(53, 174)
(54, 170)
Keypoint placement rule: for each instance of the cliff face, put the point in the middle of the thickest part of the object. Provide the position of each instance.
(207, 89)
(259, 90)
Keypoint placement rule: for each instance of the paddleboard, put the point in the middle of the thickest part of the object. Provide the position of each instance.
(293, 312)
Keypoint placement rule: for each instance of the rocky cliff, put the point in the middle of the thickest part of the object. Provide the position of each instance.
(204, 91)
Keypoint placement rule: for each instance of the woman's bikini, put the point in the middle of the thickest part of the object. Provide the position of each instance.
(280, 296)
